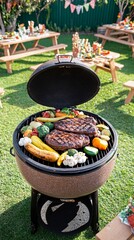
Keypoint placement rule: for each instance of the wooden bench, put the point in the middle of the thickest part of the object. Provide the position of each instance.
(114, 39)
(115, 230)
(129, 84)
(9, 59)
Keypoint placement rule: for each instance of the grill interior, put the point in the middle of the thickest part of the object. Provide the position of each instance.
(92, 162)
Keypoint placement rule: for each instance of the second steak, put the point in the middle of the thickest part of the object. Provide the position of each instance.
(78, 125)
(60, 140)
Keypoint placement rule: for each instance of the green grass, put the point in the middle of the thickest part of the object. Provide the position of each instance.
(108, 103)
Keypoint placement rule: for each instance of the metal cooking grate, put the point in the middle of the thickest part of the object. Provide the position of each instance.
(90, 160)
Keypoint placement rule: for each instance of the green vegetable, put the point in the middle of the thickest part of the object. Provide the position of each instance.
(43, 130)
(50, 125)
(91, 151)
(71, 152)
(66, 110)
(23, 129)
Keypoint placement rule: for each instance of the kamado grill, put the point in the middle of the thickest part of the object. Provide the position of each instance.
(65, 198)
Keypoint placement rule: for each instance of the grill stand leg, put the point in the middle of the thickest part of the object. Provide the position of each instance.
(95, 221)
(34, 221)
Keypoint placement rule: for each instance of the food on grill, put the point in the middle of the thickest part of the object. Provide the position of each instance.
(78, 157)
(106, 132)
(24, 141)
(48, 114)
(35, 124)
(42, 154)
(62, 158)
(102, 126)
(105, 137)
(40, 144)
(68, 112)
(62, 114)
(99, 143)
(67, 133)
(50, 125)
(43, 119)
(61, 140)
(27, 133)
(23, 129)
(78, 125)
(91, 151)
(71, 152)
(43, 130)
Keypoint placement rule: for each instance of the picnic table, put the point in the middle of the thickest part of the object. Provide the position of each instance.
(113, 31)
(12, 52)
(106, 63)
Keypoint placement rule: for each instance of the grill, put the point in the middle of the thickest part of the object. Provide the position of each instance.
(46, 87)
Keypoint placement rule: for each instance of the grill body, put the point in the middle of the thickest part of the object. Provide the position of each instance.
(72, 186)
(65, 182)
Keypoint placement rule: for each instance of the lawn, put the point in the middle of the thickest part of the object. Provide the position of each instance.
(108, 103)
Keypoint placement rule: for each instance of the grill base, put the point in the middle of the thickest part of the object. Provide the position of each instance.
(64, 216)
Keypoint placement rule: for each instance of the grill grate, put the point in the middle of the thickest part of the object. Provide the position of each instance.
(90, 160)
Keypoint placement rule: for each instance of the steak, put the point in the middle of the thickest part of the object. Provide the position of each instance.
(61, 140)
(78, 125)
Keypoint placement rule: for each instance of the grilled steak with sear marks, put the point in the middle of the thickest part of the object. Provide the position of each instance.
(78, 125)
(61, 140)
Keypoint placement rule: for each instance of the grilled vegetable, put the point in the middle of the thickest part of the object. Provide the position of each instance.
(91, 151)
(35, 124)
(23, 129)
(24, 141)
(61, 158)
(102, 126)
(40, 144)
(105, 137)
(50, 125)
(42, 119)
(61, 114)
(71, 152)
(99, 143)
(48, 114)
(42, 154)
(27, 133)
(106, 132)
(43, 130)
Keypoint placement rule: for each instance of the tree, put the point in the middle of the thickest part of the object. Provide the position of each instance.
(11, 9)
(123, 4)
(132, 12)
(43, 5)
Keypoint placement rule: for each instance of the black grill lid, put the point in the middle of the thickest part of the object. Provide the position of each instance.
(59, 84)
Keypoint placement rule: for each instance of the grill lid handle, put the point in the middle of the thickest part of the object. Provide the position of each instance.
(64, 58)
